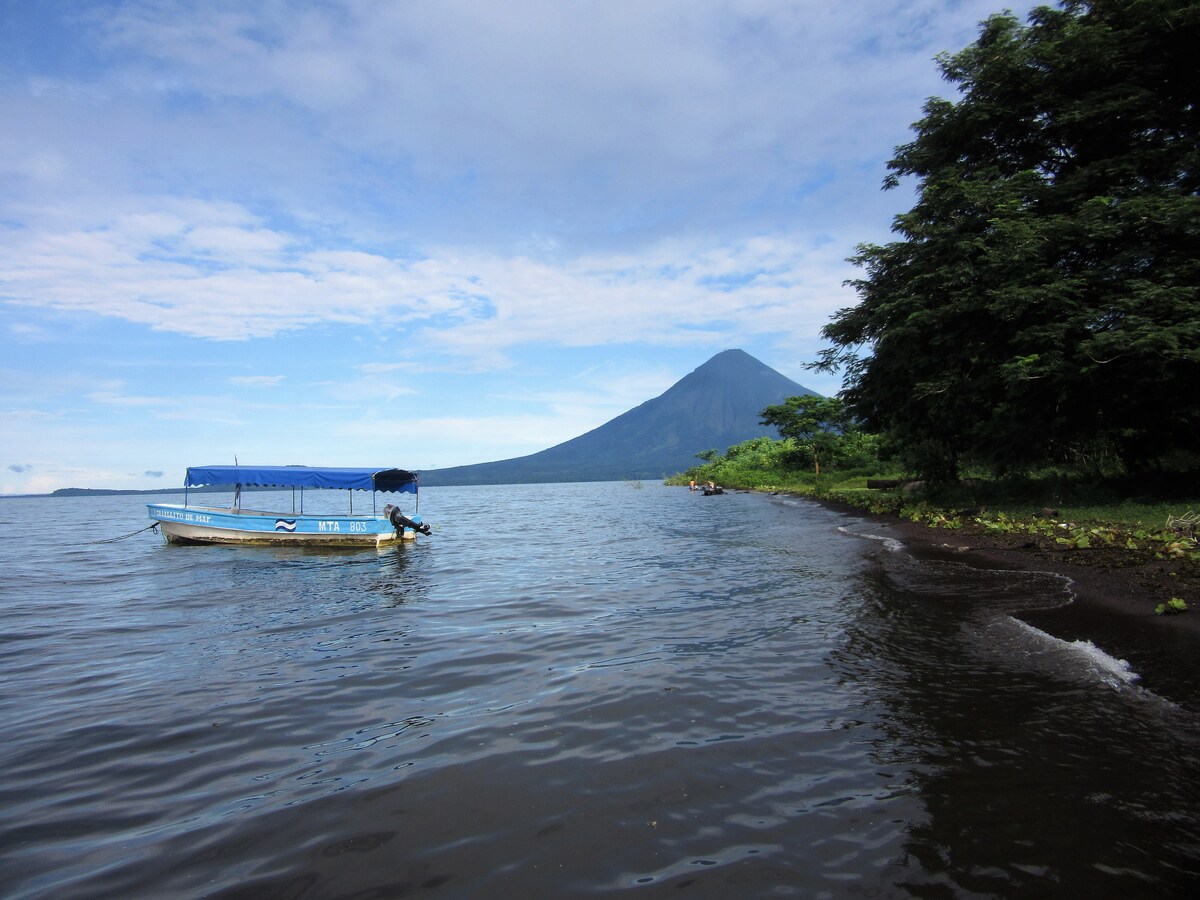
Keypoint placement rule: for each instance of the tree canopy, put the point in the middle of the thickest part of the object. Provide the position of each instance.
(816, 424)
(1041, 302)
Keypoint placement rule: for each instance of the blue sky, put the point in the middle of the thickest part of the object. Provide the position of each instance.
(423, 234)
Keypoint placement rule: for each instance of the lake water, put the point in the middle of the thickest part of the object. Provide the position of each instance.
(567, 691)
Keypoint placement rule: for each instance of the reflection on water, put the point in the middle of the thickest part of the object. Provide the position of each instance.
(567, 690)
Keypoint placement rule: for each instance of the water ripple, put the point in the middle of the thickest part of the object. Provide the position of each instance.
(735, 696)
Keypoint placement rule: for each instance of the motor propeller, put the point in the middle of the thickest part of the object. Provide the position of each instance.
(401, 521)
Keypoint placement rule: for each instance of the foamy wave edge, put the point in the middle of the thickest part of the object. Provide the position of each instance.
(1113, 671)
(890, 543)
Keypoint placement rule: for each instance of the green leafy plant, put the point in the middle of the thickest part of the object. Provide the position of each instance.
(1172, 607)
(1081, 538)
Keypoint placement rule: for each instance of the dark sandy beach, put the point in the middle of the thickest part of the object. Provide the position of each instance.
(1114, 593)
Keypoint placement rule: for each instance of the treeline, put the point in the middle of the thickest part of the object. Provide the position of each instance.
(1040, 306)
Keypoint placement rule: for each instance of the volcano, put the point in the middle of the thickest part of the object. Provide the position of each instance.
(714, 407)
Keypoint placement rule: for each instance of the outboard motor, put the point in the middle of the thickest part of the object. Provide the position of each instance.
(401, 521)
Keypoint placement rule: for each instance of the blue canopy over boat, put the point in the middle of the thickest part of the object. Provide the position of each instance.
(305, 477)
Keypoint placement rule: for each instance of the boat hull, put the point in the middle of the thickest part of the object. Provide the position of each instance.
(210, 525)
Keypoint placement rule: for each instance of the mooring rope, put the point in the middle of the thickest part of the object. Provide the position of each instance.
(153, 526)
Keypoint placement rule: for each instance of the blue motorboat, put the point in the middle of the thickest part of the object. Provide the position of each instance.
(196, 524)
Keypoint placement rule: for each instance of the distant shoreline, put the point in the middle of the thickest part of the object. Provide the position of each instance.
(115, 492)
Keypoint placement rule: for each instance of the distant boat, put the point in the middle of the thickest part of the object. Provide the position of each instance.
(188, 524)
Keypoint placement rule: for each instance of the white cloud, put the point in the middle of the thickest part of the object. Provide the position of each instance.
(579, 122)
(247, 282)
(257, 380)
(173, 271)
(116, 398)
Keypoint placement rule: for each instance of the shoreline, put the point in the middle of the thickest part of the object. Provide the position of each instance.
(1113, 595)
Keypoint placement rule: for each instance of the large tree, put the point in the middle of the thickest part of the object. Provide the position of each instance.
(818, 425)
(1041, 303)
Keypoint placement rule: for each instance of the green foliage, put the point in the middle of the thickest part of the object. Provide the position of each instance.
(765, 463)
(1172, 607)
(752, 463)
(1042, 302)
(822, 428)
(1159, 543)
